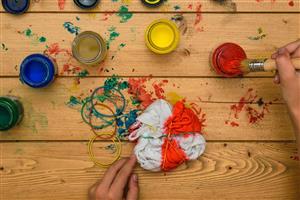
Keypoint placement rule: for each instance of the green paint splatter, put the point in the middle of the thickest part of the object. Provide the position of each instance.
(114, 0)
(177, 7)
(77, 18)
(73, 101)
(260, 35)
(71, 28)
(112, 36)
(83, 73)
(35, 38)
(124, 14)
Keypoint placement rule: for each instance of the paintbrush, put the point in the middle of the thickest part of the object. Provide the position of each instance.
(259, 65)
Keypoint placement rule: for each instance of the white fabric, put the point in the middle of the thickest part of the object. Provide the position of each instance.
(149, 146)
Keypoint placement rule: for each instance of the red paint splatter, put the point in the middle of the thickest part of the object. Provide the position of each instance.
(138, 88)
(106, 16)
(198, 14)
(61, 4)
(245, 106)
(295, 157)
(190, 6)
(65, 56)
(291, 3)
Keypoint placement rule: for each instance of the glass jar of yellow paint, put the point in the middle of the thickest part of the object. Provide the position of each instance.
(89, 48)
(162, 36)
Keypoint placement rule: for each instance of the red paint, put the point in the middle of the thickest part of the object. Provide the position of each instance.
(296, 157)
(245, 105)
(291, 3)
(61, 4)
(227, 58)
(138, 88)
(190, 6)
(198, 15)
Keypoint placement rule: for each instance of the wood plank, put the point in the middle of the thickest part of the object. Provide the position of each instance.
(190, 59)
(47, 117)
(174, 6)
(61, 170)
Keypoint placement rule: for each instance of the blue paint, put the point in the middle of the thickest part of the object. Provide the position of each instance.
(37, 71)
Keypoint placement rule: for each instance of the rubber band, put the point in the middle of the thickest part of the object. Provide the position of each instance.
(118, 110)
(117, 143)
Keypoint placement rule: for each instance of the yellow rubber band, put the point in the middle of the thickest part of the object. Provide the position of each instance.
(116, 141)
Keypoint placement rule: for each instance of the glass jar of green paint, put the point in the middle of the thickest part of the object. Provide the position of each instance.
(11, 112)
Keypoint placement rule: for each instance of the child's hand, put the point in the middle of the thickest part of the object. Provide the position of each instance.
(289, 79)
(118, 182)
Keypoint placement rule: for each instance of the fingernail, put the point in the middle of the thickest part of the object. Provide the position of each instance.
(135, 178)
(281, 51)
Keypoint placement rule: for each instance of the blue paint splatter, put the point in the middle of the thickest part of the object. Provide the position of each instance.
(69, 26)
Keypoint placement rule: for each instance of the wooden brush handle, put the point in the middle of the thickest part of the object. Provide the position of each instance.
(270, 64)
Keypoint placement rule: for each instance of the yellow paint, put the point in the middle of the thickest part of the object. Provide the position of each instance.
(152, 1)
(126, 1)
(162, 36)
(88, 48)
(173, 97)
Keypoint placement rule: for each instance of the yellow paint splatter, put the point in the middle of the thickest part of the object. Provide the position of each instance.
(126, 1)
(173, 97)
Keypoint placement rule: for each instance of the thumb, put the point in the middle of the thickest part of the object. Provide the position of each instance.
(133, 188)
(285, 66)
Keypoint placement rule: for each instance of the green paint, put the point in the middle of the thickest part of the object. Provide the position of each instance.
(124, 14)
(73, 101)
(177, 7)
(83, 73)
(77, 18)
(134, 101)
(5, 117)
(35, 38)
(11, 113)
(260, 35)
(112, 36)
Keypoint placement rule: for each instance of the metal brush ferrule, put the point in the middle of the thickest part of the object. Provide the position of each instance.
(256, 65)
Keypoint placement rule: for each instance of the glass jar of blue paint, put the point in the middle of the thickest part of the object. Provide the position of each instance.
(11, 112)
(15, 6)
(37, 71)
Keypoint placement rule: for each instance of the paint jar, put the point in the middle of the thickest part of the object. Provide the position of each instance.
(37, 71)
(16, 6)
(89, 48)
(86, 4)
(11, 112)
(152, 3)
(162, 36)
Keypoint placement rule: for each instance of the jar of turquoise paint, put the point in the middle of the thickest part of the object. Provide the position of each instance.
(11, 112)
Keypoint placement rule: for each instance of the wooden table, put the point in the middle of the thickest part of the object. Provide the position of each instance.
(45, 157)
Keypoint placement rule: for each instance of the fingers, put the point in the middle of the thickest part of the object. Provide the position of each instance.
(121, 179)
(111, 173)
(133, 188)
(276, 78)
(285, 67)
(291, 48)
(296, 53)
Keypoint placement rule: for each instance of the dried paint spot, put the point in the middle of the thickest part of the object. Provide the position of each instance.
(4, 47)
(71, 28)
(245, 105)
(177, 7)
(61, 4)
(181, 23)
(291, 3)
(35, 38)
(124, 14)
(260, 35)
(113, 34)
(226, 3)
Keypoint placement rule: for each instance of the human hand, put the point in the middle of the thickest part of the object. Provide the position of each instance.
(289, 79)
(118, 182)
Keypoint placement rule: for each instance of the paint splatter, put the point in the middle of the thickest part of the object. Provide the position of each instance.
(181, 22)
(198, 17)
(245, 105)
(124, 14)
(291, 3)
(177, 7)
(71, 28)
(260, 35)
(121, 46)
(63, 57)
(61, 4)
(106, 16)
(113, 34)
(4, 47)
(227, 3)
(35, 38)
(295, 157)
(77, 18)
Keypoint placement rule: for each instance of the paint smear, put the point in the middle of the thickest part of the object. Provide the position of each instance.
(245, 106)
(71, 28)
(260, 35)
(61, 4)
(124, 14)
(198, 17)
(173, 97)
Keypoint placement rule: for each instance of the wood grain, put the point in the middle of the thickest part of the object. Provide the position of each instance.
(62, 170)
(137, 6)
(47, 117)
(190, 59)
